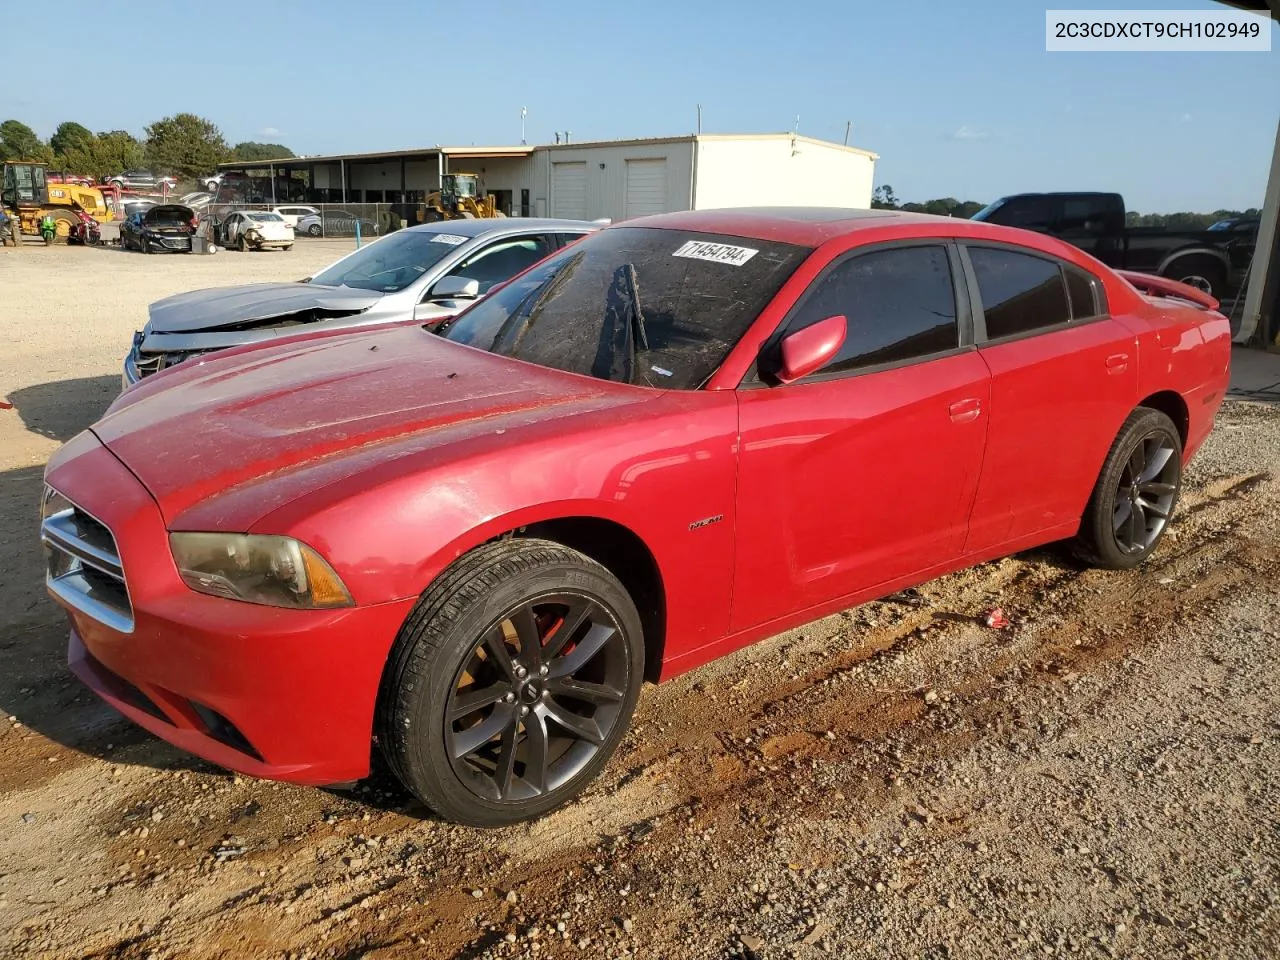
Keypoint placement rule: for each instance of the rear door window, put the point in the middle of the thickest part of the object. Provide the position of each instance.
(1020, 293)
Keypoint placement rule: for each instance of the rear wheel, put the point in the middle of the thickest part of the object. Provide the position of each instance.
(511, 683)
(1135, 495)
(315, 230)
(1203, 273)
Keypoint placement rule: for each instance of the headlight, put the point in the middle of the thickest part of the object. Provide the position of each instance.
(277, 571)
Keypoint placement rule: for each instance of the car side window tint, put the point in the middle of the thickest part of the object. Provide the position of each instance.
(899, 305)
(1081, 288)
(1020, 293)
(501, 261)
(1026, 212)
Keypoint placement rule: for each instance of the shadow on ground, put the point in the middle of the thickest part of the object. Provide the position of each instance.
(35, 684)
(61, 410)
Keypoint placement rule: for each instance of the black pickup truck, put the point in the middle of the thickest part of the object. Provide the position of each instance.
(1215, 260)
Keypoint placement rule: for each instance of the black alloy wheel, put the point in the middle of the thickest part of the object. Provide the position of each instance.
(1135, 495)
(1145, 494)
(511, 683)
(537, 697)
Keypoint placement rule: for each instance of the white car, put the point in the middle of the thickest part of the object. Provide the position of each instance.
(256, 230)
(292, 214)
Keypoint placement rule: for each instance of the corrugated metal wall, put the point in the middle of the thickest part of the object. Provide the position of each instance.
(605, 174)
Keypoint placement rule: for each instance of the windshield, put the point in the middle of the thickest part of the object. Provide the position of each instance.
(989, 209)
(1222, 225)
(265, 217)
(390, 264)
(634, 305)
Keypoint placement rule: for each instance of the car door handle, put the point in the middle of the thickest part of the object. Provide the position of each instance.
(963, 411)
(1117, 363)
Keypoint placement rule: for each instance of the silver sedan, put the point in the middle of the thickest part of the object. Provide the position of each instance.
(427, 273)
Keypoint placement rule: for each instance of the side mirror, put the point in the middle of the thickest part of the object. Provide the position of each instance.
(455, 288)
(809, 350)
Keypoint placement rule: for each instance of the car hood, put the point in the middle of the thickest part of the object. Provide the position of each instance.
(234, 307)
(168, 212)
(207, 430)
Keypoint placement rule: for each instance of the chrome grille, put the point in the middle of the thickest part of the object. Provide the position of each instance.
(83, 567)
(149, 363)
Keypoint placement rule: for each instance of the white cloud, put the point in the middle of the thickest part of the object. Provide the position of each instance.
(269, 132)
(967, 132)
(1186, 118)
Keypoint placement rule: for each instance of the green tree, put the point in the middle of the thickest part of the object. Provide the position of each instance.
(249, 150)
(185, 144)
(883, 198)
(19, 142)
(114, 152)
(71, 137)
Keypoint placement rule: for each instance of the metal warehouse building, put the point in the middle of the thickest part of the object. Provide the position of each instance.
(617, 179)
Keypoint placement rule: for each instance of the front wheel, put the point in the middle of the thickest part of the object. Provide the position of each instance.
(243, 245)
(1136, 492)
(511, 683)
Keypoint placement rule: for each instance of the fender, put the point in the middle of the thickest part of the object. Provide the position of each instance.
(1203, 251)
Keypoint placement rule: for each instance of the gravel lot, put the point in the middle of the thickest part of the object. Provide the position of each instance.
(1102, 778)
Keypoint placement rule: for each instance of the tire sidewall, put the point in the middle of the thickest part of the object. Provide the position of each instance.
(1151, 423)
(426, 758)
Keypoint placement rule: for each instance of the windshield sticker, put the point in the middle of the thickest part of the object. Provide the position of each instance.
(716, 252)
(662, 373)
(452, 239)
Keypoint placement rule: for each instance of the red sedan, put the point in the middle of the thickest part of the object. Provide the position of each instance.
(674, 438)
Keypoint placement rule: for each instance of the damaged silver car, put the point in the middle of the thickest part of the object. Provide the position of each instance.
(427, 273)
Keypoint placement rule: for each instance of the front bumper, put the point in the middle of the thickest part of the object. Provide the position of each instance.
(169, 242)
(275, 693)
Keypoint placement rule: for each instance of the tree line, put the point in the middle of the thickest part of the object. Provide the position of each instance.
(883, 198)
(183, 145)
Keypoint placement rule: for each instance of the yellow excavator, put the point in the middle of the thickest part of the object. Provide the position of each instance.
(458, 199)
(28, 197)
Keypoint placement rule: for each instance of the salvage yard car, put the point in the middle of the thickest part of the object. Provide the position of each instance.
(161, 228)
(247, 230)
(428, 273)
(678, 436)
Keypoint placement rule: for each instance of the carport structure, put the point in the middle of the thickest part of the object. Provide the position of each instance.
(1260, 318)
(393, 177)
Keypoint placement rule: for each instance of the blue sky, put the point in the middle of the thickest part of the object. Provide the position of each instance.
(959, 99)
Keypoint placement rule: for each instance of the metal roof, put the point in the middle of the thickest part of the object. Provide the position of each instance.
(474, 153)
(499, 152)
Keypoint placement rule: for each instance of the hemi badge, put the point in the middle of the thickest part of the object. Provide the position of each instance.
(697, 524)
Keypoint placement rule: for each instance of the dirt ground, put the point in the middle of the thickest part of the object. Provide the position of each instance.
(1101, 779)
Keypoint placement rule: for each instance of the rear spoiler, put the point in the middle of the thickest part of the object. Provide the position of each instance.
(1164, 287)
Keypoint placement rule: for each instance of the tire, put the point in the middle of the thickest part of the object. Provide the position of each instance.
(458, 631)
(315, 230)
(1121, 529)
(287, 247)
(64, 232)
(242, 244)
(1199, 271)
(144, 245)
